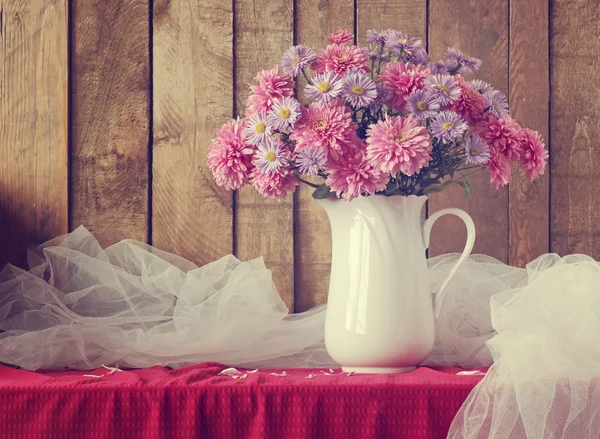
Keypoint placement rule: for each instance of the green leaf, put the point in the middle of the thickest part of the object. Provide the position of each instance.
(435, 188)
(322, 192)
(466, 185)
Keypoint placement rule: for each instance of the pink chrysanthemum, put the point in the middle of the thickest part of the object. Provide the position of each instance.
(340, 36)
(403, 79)
(230, 155)
(339, 58)
(499, 168)
(274, 184)
(353, 175)
(271, 85)
(327, 126)
(503, 135)
(470, 105)
(398, 144)
(533, 155)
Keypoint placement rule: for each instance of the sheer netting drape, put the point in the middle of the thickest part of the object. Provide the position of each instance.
(131, 305)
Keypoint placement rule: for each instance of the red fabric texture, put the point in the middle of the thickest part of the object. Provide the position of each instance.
(194, 402)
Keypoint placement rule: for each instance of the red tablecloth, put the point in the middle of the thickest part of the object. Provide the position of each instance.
(195, 402)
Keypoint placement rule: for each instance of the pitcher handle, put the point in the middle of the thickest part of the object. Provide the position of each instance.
(428, 224)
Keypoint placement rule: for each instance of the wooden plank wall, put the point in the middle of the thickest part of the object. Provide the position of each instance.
(122, 150)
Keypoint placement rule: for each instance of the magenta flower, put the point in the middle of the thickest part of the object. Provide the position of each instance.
(478, 153)
(296, 59)
(311, 160)
(340, 36)
(271, 156)
(471, 104)
(353, 175)
(533, 156)
(448, 126)
(271, 85)
(403, 79)
(398, 144)
(339, 59)
(256, 128)
(327, 126)
(497, 103)
(422, 104)
(358, 89)
(230, 155)
(325, 87)
(503, 135)
(481, 87)
(284, 114)
(499, 168)
(274, 184)
(444, 87)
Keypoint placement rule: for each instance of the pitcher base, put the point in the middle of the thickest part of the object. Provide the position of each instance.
(379, 369)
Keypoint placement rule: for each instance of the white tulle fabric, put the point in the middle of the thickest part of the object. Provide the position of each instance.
(81, 306)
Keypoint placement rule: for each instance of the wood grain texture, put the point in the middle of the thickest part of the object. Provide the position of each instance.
(575, 112)
(110, 118)
(263, 227)
(529, 210)
(314, 20)
(480, 29)
(193, 97)
(33, 125)
(408, 16)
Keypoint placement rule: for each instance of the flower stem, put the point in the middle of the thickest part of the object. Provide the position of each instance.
(308, 183)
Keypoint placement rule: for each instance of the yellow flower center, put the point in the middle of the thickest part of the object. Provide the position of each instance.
(343, 57)
(447, 125)
(403, 41)
(285, 113)
(441, 87)
(496, 105)
(400, 138)
(320, 125)
(270, 156)
(422, 105)
(324, 87)
(260, 127)
(358, 90)
(474, 152)
(295, 62)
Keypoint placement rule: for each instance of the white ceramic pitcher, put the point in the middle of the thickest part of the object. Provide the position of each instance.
(380, 308)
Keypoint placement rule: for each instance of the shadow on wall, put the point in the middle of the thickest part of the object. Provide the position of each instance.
(15, 234)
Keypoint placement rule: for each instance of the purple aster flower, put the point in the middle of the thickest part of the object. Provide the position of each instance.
(497, 103)
(375, 37)
(272, 155)
(375, 52)
(358, 89)
(444, 87)
(311, 160)
(394, 39)
(419, 57)
(325, 87)
(448, 126)
(384, 95)
(296, 58)
(458, 62)
(422, 104)
(284, 114)
(478, 152)
(481, 87)
(437, 67)
(257, 129)
(409, 49)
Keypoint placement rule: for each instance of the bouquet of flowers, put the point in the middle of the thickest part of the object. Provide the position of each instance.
(382, 119)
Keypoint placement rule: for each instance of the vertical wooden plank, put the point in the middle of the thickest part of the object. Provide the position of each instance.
(110, 118)
(193, 96)
(33, 128)
(480, 29)
(574, 114)
(263, 227)
(409, 17)
(314, 20)
(529, 208)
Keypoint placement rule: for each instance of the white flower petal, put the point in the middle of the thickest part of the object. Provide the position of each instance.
(231, 371)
